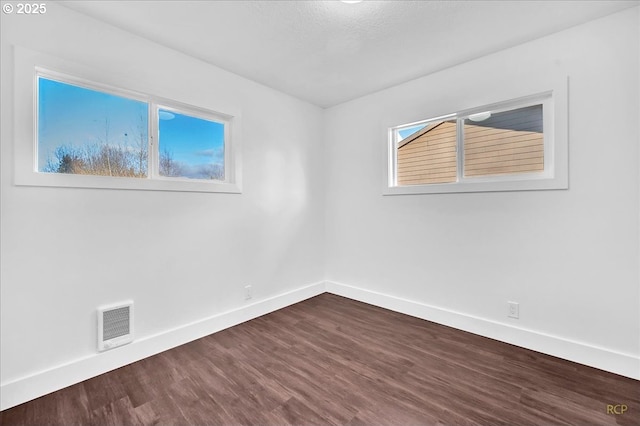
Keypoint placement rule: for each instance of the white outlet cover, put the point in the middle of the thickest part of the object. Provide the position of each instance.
(514, 310)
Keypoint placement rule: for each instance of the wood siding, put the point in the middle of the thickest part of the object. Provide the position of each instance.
(511, 143)
(430, 158)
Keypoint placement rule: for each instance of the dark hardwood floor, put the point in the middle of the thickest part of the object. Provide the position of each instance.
(330, 360)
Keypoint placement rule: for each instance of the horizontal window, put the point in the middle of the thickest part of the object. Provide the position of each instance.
(87, 134)
(494, 147)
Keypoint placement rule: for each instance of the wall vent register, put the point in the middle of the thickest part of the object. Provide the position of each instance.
(115, 326)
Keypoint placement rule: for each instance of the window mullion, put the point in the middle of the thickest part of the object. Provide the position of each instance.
(153, 141)
(228, 171)
(393, 158)
(460, 149)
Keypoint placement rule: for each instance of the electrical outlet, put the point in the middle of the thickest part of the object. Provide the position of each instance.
(514, 310)
(248, 293)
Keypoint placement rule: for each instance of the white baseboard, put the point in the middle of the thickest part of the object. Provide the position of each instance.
(602, 358)
(44, 382)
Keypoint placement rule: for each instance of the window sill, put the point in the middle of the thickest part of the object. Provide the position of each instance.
(523, 183)
(120, 183)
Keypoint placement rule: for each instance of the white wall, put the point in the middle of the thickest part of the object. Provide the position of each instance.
(182, 257)
(569, 257)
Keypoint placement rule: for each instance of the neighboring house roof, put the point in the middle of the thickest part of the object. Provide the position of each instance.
(416, 135)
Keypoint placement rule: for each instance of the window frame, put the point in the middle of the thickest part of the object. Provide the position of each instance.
(26, 139)
(554, 175)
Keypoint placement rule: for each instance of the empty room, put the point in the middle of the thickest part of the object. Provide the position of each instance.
(320, 213)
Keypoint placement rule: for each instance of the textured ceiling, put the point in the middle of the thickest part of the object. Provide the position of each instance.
(329, 52)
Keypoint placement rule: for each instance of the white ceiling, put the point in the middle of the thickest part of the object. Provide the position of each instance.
(329, 52)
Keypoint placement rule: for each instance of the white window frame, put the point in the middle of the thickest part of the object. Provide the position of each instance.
(554, 176)
(31, 65)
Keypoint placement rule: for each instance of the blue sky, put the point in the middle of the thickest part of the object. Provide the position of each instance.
(75, 116)
(190, 140)
(410, 130)
(71, 115)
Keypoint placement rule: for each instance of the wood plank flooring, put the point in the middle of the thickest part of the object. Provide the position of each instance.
(330, 360)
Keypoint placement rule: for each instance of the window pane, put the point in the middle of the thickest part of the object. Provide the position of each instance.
(84, 131)
(428, 155)
(509, 142)
(190, 147)
(409, 131)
